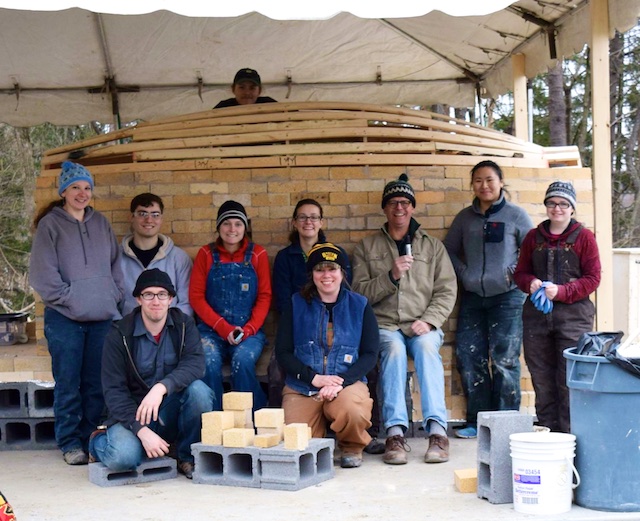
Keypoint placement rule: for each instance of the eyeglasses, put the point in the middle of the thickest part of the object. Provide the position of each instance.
(402, 204)
(163, 295)
(563, 204)
(302, 218)
(141, 214)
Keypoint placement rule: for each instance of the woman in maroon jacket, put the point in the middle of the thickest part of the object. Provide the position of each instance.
(563, 254)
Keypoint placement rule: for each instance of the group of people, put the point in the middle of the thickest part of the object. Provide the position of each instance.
(135, 325)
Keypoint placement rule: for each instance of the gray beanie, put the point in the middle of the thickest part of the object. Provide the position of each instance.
(562, 189)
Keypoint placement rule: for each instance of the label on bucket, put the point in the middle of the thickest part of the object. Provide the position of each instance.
(526, 480)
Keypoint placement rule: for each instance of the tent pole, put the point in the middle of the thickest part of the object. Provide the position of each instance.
(520, 106)
(602, 158)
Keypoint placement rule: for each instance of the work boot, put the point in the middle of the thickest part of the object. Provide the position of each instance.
(395, 450)
(186, 468)
(76, 457)
(438, 451)
(351, 460)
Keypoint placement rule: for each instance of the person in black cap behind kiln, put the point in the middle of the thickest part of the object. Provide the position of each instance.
(246, 88)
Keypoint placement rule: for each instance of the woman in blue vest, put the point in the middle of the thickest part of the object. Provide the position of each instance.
(327, 342)
(230, 292)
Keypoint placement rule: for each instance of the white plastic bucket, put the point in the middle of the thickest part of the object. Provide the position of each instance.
(542, 465)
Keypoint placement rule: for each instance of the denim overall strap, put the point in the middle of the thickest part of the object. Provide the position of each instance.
(232, 287)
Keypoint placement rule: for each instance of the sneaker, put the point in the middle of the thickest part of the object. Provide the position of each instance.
(375, 446)
(186, 468)
(351, 460)
(395, 450)
(76, 457)
(466, 433)
(438, 451)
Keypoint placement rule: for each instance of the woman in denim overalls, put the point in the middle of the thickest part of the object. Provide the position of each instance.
(230, 292)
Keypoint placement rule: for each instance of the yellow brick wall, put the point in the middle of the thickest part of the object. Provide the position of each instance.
(350, 197)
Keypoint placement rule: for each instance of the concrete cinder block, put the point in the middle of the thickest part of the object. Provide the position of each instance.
(269, 418)
(40, 399)
(266, 440)
(27, 434)
(242, 419)
(217, 465)
(296, 436)
(217, 420)
(272, 430)
(237, 401)
(238, 437)
(495, 479)
(149, 470)
(293, 470)
(13, 400)
(466, 480)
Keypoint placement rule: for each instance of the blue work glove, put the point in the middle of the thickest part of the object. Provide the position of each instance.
(540, 300)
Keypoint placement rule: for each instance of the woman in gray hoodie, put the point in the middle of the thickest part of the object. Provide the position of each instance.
(75, 269)
(483, 243)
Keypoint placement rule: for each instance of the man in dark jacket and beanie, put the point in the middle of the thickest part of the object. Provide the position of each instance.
(151, 368)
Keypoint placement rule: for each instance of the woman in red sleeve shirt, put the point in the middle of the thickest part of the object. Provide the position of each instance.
(230, 292)
(564, 254)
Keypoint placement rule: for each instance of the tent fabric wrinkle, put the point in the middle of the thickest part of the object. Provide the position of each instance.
(160, 63)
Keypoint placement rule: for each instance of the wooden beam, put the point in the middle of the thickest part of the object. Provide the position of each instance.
(602, 158)
(520, 97)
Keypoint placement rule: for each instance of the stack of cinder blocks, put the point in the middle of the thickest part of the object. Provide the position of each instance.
(280, 456)
(495, 477)
(26, 416)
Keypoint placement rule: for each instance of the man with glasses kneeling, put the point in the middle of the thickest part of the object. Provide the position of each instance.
(152, 363)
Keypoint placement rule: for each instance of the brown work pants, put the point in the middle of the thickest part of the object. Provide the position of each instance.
(348, 415)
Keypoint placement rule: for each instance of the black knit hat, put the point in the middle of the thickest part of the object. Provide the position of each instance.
(325, 252)
(153, 278)
(562, 189)
(232, 210)
(399, 188)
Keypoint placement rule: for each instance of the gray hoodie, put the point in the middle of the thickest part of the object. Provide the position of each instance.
(172, 260)
(75, 266)
(484, 247)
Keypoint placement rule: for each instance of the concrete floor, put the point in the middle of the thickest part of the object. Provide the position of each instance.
(40, 486)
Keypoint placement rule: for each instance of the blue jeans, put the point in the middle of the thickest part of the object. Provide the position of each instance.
(488, 343)
(395, 348)
(179, 421)
(76, 359)
(243, 365)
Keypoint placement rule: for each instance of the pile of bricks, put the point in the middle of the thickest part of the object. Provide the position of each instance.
(26, 416)
(279, 456)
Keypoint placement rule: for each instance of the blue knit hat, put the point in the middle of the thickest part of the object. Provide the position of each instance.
(71, 173)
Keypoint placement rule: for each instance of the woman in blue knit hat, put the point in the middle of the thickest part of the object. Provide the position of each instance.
(75, 269)
(560, 258)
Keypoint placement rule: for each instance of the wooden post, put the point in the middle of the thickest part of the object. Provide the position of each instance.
(520, 106)
(602, 158)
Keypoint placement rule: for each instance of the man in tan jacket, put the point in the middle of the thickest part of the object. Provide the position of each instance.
(411, 285)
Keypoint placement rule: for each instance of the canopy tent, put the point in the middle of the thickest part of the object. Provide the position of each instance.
(75, 65)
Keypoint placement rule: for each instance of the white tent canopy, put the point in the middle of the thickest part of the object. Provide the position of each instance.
(75, 65)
